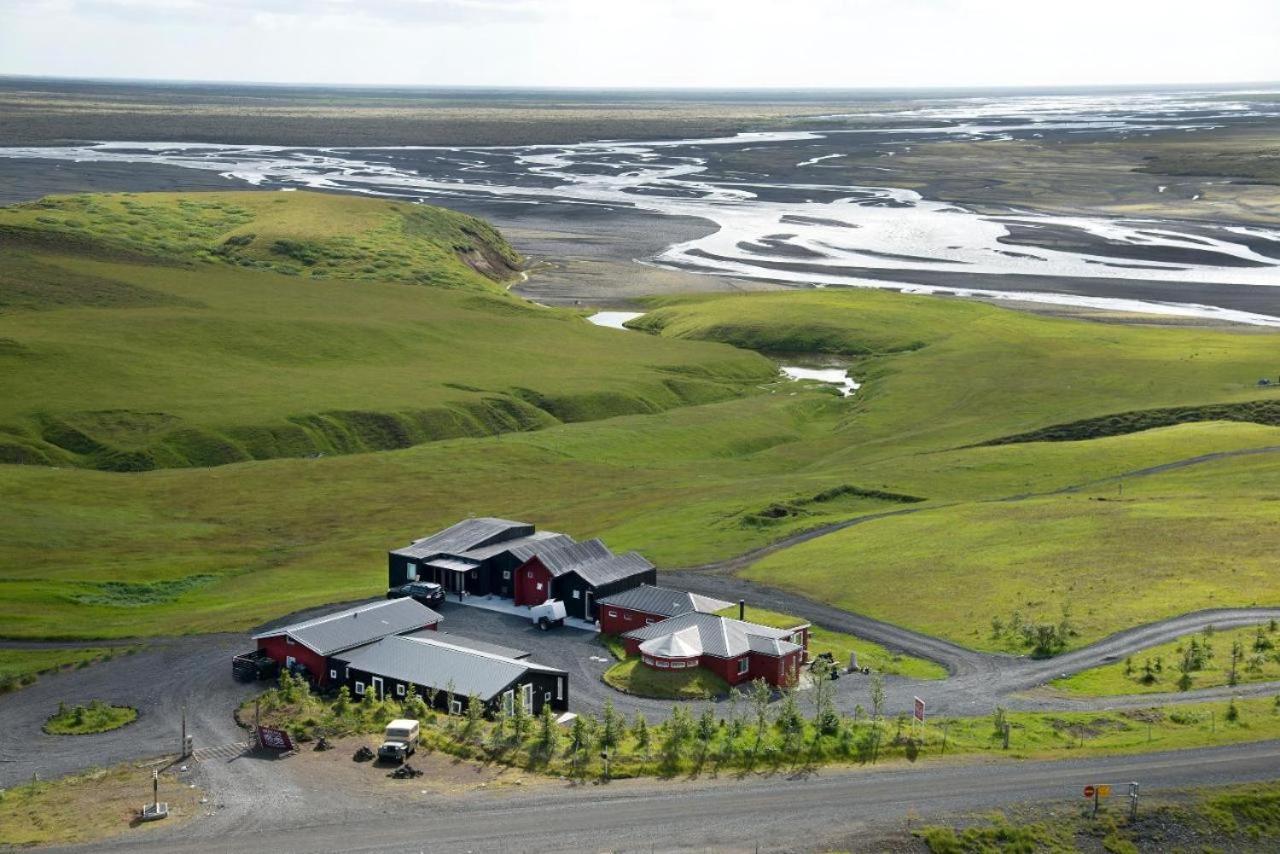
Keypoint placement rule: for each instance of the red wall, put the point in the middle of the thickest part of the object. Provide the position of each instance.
(528, 576)
(626, 619)
(279, 649)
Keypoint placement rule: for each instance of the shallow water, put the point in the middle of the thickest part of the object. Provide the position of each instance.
(777, 228)
(834, 376)
(614, 319)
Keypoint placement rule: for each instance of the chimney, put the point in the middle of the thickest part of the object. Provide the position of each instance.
(742, 609)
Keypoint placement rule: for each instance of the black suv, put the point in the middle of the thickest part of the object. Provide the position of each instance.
(427, 592)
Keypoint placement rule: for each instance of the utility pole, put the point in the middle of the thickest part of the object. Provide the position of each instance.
(182, 750)
(1133, 802)
(944, 736)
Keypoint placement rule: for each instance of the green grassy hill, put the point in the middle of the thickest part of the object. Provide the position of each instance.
(171, 353)
(708, 454)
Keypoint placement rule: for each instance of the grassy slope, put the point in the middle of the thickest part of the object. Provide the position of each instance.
(19, 667)
(139, 364)
(943, 375)
(1256, 665)
(688, 485)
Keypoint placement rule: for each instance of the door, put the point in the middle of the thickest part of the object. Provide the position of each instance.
(375, 685)
(526, 697)
(289, 662)
(586, 605)
(533, 587)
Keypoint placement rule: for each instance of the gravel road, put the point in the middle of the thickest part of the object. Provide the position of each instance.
(831, 810)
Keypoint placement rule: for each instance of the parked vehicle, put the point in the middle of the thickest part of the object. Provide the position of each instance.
(425, 592)
(549, 613)
(253, 666)
(400, 740)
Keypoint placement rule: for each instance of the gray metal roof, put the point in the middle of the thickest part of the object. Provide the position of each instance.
(479, 645)
(355, 626)
(560, 556)
(452, 564)
(537, 537)
(465, 535)
(665, 601)
(721, 636)
(611, 569)
(439, 664)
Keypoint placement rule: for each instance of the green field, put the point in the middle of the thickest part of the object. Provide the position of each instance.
(21, 667)
(1207, 663)
(673, 443)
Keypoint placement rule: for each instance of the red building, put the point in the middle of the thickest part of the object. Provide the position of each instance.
(312, 643)
(734, 650)
(578, 574)
(649, 604)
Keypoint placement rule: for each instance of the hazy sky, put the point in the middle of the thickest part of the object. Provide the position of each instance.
(713, 43)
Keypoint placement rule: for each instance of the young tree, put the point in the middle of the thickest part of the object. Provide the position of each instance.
(498, 734)
(1184, 681)
(342, 704)
(706, 729)
(761, 694)
(1233, 713)
(611, 726)
(825, 718)
(548, 732)
(520, 721)
(678, 729)
(580, 739)
(475, 716)
(877, 695)
(640, 732)
(1237, 652)
(790, 722)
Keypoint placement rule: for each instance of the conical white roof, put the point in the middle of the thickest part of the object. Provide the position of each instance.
(686, 643)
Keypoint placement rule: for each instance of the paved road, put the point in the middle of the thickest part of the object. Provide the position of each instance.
(833, 809)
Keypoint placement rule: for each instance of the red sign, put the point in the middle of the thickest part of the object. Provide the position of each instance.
(274, 739)
(1088, 791)
(919, 710)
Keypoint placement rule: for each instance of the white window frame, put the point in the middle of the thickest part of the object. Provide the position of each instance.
(559, 687)
(539, 587)
(359, 688)
(526, 697)
(400, 690)
(288, 641)
(546, 697)
(506, 575)
(664, 664)
(333, 674)
(613, 613)
(577, 594)
(744, 665)
(509, 701)
(411, 571)
(455, 706)
(289, 662)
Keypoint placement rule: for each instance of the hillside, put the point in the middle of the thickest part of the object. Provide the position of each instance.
(194, 339)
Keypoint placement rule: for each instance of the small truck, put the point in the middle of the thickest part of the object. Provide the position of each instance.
(399, 741)
(549, 613)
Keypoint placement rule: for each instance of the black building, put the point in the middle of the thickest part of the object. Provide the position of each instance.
(455, 671)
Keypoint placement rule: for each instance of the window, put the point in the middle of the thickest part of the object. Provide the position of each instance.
(333, 674)
(662, 663)
(559, 689)
(577, 594)
(647, 660)
(509, 702)
(455, 707)
(288, 640)
(648, 621)
(539, 585)
(677, 665)
(360, 689)
(546, 698)
(400, 690)
(411, 571)
(506, 575)
(613, 613)
(744, 664)
(526, 697)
